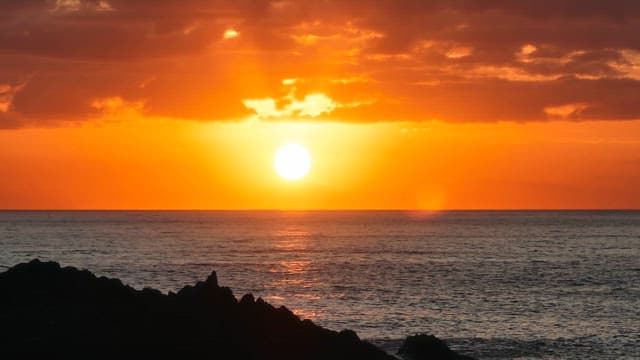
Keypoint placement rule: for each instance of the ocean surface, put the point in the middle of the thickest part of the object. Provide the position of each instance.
(495, 285)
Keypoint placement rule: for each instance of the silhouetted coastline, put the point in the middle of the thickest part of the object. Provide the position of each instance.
(49, 310)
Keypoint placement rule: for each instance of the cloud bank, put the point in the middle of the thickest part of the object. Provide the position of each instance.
(353, 61)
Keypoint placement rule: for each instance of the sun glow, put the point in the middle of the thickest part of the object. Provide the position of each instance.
(292, 161)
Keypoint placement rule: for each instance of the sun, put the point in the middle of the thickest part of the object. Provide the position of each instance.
(292, 161)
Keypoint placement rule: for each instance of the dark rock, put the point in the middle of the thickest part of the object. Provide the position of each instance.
(212, 280)
(46, 310)
(65, 312)
(349, 335)
(428, 347)
(247, 300)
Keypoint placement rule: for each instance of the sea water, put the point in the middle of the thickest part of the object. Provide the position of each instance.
(539, 285)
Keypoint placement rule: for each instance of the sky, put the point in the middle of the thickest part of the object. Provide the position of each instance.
(493, 104)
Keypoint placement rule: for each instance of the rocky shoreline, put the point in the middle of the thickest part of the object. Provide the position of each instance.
(46, 309)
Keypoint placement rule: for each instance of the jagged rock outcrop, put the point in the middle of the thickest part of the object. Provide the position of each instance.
(49, 310)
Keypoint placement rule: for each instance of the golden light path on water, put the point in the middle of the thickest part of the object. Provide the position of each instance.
(295, 270)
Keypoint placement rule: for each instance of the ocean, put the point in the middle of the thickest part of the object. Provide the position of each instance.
(494, 285)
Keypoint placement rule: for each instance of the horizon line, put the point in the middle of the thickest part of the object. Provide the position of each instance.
(317, 210)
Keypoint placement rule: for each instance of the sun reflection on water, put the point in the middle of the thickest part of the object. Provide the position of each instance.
(306, 314)
(292, 238)
(293, 270)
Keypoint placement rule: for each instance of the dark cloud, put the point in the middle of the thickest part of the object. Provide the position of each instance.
(379, 60)
(500, 100)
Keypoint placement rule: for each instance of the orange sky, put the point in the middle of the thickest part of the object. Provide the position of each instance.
(432, 165)
(402, 105)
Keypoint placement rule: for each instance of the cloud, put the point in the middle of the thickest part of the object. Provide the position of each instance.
(311, 105)
(115, 107)
(8, 118)
(230, 34)
(72, 6)
(383, 60)
(264, 108)
(7, 92)
(565, 111)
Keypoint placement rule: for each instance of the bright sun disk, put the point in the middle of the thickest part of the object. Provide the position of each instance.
(292, 161)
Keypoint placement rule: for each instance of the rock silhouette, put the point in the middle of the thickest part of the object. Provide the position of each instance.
(423, 347)
(49, 310)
